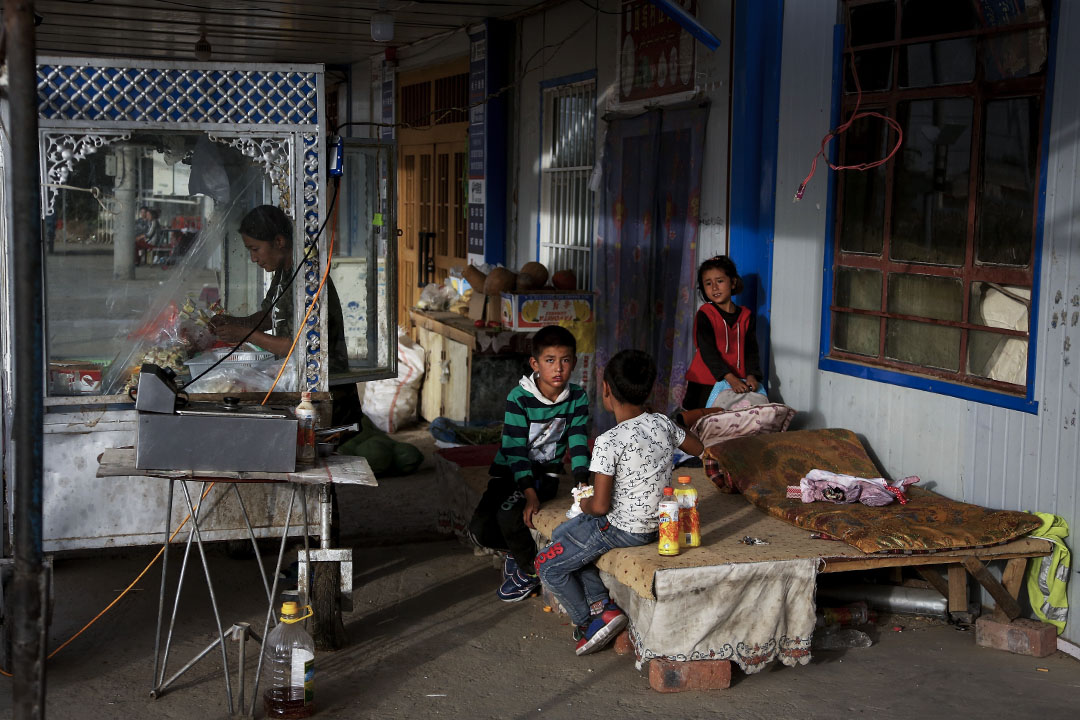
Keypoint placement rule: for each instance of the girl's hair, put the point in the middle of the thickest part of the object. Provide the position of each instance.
(724, 264)
(265, 223)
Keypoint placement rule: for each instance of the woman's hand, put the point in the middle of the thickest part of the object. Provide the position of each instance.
(736, 383)
(753, 382)
(229, 331)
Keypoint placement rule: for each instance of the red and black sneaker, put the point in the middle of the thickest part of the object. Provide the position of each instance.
(600, 630)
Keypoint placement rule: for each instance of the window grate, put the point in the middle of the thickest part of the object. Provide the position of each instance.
(566, 208)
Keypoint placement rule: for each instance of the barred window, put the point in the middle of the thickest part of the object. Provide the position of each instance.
(933, 252)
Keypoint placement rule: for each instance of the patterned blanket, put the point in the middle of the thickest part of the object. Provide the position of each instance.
(761, 467)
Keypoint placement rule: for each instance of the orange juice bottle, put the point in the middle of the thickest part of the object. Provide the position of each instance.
(669, 524)
(689, 520)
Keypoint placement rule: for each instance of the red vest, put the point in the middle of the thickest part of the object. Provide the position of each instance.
(729, 341)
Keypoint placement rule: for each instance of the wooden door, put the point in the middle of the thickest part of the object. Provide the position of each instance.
(433, 147)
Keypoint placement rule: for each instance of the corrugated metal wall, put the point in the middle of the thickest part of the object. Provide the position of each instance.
(965, 450)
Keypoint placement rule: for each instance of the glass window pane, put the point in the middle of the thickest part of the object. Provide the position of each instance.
(920, 18)
(1014, 55)
(137, 277)
(859, 289)
(939, 63)
(1001, 306)
(874, 68)
(856, 333)
(862, 223)
(997, 357)
(1007, 203)
(930, 189)
(933, 346)
(872, 23)
(926, 296)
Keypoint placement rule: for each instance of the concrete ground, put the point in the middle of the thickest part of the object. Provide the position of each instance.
(427, 638)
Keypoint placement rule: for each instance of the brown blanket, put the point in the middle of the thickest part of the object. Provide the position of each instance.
(761, 468)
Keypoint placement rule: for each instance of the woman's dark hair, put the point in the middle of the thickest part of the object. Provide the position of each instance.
(630, 375)
(725, 265)
(266, 222)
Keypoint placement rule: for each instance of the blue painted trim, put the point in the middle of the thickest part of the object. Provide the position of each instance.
(688, 22)
(755, 121)
(568, 79)
(825, 342)
(1040, 226)
(934, 385)
(1028, 403)
(496, 127)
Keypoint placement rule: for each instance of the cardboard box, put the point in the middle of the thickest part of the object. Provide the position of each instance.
(484, 307)
(74, 378)
(533, 310)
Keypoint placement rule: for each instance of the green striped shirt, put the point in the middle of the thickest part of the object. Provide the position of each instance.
(538, 433)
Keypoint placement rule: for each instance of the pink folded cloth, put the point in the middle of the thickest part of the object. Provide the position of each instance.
(835, 488)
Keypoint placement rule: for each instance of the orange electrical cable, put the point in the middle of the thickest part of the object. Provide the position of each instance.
(125, 591)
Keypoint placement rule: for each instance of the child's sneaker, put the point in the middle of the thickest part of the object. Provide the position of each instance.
(600, 630)
(517, 585)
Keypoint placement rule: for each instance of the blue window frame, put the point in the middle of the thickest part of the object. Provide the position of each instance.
(932, 259)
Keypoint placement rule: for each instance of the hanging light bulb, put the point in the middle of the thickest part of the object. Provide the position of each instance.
(382, 24)
(202, 47)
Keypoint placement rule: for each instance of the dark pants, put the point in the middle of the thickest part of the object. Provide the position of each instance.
(499, 519)
(696, 395)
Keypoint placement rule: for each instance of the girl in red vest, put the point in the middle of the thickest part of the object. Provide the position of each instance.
(726, 363)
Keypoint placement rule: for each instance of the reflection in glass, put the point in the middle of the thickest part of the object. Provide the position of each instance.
(946, 62)
(859, 289)
(930, 189)
(874, 68)
(1000, 306)
(1007, 197)
(861, 226)
(137, 277)
(923, 344)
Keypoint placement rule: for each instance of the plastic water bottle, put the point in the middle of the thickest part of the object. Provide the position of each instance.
(669, 524)
(305, 431)
(290, 653)
(689, 520)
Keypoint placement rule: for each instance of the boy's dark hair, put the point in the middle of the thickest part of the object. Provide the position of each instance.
(724, 264)
(630, 375)
(552, 336)
(265, 223)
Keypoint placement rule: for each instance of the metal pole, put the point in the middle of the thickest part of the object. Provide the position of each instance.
(29, 626)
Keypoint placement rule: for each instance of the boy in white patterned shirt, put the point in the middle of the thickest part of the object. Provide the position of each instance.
(632, 463)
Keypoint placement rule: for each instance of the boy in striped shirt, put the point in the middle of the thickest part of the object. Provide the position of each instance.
(546, 415)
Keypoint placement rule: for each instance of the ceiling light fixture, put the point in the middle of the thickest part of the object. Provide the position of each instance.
(202, 47)
(382, 25)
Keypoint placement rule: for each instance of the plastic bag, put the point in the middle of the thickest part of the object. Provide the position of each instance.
(391, 404)
(258, 377)
(437, 297)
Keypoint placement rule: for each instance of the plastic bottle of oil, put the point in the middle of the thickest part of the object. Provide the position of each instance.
(689, 520)
(305, 431)
(290, 653)
(669, 524)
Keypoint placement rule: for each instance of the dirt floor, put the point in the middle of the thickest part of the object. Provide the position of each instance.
(427, 637)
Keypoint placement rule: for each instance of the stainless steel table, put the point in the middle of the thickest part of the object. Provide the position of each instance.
(334, 469)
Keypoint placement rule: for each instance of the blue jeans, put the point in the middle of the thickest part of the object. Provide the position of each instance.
(566, 566)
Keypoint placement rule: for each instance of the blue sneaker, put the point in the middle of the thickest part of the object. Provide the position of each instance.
(517, 585)
(600, 630)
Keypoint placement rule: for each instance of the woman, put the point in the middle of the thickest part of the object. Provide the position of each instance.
(267, 234)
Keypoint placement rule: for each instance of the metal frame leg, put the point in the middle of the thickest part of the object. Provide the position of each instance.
(254, 542)
(161, 595)
(270, 610)
(160, 688)
(213, 597)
